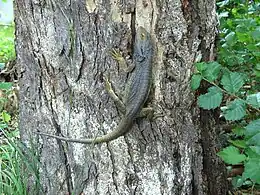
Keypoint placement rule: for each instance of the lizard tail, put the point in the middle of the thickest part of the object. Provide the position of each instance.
(123, 127)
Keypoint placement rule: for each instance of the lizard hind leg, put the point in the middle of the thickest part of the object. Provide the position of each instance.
(146, 112)
(149, 112)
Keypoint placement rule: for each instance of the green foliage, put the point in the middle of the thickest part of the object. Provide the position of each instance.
(18, 163)
(240, 35)
(6, 90)
(7, 52)
(209, 70)
(212, 99)
(223, 80)
(247, 151)
(252, 170)
(235, 110)
(232, 81)
(232, 155)
(195, 81)
(6, 117)
(254, 100)
(5, 85)
(238, 143)
(252, 128)
(235, 85)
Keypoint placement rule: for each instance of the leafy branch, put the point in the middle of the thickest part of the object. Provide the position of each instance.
(231, 82)
(254, 99)
(224, 81)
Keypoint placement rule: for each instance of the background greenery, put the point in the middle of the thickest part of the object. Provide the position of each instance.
(7, 52)
(18, 163)
(235, 84)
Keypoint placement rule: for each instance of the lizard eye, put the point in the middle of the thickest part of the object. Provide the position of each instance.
(142, 36)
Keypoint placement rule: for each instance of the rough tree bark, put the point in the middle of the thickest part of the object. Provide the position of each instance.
(63, 53)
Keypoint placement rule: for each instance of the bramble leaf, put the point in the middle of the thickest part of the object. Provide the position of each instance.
(252, 152)
(255, 149)
(235, 110)
(201, 66)
(252, 170)
(254, 100)
(255, 140)
(212, 71)
(195, 81)
(256, 34)
(239, 131)
(210, 100)
(231, 38)
(5, 85)
(252, 128)
(237, 181)
(232, 81)
(231, 155)
(239, 143)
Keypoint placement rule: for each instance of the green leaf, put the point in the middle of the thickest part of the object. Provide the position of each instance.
(5, 85)
(242, 37)
(231, 155)
(255, 140)
(223, 15)
(257, 73)
(256, 34)
(212, 71)
(232, 81)
(201, 66)
(239, 131)
(222, 3)
(252, 128)
(241, 29)
(254, 100)
(257, 66)
(235, 110)
(212, 99)
(237, 181)
(255, 149)
(231, 38)
(3, 126)
(252, 47)
(252, 170)
(2, 65)
(252, 152)
(195, 81)
(6, 117)
(239, 143)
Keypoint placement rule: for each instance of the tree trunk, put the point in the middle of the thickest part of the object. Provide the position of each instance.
(63, 50)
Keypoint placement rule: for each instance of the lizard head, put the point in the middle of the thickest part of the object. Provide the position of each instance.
(143, 43)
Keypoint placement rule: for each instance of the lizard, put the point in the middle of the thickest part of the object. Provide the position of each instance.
(136, 94)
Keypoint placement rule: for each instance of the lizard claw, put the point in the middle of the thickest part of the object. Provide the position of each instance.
(116, 55)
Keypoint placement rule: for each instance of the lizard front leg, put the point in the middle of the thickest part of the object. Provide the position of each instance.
(116, 55)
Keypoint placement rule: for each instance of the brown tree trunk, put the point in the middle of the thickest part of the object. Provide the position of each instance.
(63, 53)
